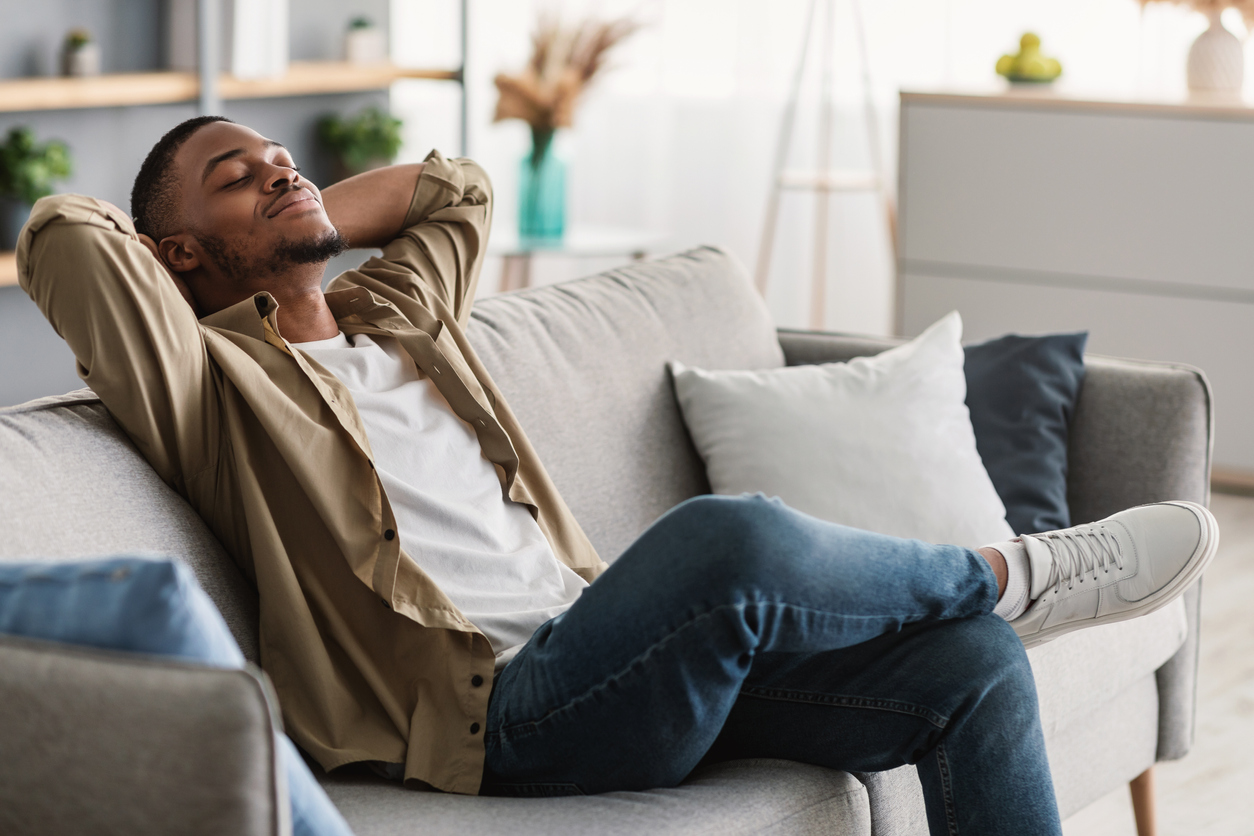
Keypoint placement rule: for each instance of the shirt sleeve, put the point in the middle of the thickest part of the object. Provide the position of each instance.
(137, 342)
(440, 251)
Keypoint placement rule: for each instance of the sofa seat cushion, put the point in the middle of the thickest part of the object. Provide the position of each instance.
(1084, 669)
(738, 797)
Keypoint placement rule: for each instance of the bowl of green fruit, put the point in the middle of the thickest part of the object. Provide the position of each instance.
(1029, 66)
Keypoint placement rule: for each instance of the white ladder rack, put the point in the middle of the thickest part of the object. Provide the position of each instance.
(825, 181)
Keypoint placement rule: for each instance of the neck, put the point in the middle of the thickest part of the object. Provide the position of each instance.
(303, 313)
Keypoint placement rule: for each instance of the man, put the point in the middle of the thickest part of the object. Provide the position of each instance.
(427, 602)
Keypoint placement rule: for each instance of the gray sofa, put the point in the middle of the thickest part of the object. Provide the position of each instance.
(97, 742)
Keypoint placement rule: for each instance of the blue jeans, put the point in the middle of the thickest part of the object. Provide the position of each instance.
(738, 627)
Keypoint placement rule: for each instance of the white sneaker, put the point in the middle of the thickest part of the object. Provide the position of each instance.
(1127, 565)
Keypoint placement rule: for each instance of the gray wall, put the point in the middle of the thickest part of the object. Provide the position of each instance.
(108, 144)
(128, 31)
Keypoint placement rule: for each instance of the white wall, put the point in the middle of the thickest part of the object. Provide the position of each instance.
(679, 137)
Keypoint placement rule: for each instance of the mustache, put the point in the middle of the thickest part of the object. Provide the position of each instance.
(282, 193)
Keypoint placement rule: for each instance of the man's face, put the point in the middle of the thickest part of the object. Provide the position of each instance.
(248, 212)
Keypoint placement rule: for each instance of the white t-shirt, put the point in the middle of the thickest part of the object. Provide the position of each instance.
(483, 550)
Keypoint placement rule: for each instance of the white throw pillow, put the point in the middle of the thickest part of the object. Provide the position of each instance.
(881, 443)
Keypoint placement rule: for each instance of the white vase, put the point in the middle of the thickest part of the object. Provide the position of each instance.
(1216, 60)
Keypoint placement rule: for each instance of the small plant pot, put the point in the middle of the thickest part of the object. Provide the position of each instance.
(365, 45)
(13, 216)
(82, 61)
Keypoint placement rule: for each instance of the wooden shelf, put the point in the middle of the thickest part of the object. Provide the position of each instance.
(8, 269)
(304, 78)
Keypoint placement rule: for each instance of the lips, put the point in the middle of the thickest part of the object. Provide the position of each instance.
(288, 200)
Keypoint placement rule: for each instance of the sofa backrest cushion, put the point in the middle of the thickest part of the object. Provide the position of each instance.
(73, 486)
(583, 366)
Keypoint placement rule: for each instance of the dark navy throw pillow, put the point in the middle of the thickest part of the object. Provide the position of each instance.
(1021, 392)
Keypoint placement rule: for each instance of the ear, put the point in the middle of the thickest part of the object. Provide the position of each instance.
(184, 290)
(176, 253)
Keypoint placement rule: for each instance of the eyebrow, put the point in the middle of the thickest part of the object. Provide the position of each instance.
(233, 153)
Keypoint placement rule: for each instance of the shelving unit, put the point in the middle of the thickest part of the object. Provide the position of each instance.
(121, 90)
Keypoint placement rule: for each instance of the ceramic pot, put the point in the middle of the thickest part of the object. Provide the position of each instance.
(1216, 60)
(81, 61)
(365, 45)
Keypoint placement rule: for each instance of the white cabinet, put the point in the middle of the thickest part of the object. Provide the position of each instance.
(1032, 213)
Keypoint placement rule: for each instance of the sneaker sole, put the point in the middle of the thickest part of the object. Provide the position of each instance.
(1206, 549)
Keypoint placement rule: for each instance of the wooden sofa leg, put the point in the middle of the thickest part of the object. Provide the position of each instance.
(1142, 787)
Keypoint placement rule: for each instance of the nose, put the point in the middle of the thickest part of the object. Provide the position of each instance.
(281, 177)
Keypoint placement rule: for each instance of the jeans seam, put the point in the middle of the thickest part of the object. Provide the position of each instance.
(632, 664)
(947, 791)
(845, 701)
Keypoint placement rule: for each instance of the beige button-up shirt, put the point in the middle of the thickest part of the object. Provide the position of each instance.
(370, 659)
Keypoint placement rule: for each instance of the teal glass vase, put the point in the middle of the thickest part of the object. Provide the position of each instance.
(542, 192)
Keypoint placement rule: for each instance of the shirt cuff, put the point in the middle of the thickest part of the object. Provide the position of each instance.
(441, 184)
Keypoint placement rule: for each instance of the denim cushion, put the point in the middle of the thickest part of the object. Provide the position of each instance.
(120, 603)
(1022, 392)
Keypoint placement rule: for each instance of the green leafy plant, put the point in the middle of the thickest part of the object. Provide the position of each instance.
(368, 140)
(361, 22)
(28, 169)
(77, 38)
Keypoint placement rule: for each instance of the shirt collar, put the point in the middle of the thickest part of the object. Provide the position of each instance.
(245, 316)
(249, 316)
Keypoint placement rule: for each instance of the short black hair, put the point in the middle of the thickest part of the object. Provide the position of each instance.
(154, 193)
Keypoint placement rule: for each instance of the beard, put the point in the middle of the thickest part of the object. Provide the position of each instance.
(288, 252)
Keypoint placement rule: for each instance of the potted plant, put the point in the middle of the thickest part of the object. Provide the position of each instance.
(563, 62)
(369, 140)
(364, 43)
(80, 55)
(27, 172)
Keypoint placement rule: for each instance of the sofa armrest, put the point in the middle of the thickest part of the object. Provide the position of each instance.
(103, 742)
(802, 348)
(1142, 432)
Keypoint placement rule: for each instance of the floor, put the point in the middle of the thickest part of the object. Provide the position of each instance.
(1211, 791)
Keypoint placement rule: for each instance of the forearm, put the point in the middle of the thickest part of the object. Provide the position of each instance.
(369, 209)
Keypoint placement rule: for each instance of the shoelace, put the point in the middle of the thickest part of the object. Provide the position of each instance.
(1076, 554)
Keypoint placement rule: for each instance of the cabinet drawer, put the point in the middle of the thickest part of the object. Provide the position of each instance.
(1120, 194)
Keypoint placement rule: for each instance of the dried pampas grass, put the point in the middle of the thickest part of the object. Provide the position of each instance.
(563, 62)
(1206, 7)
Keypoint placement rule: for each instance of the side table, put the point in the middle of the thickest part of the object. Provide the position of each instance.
(578, 242)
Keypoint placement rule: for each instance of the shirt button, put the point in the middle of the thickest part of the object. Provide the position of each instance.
(476, 680)
(389, 534)
(474, 728)
(386, 604)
